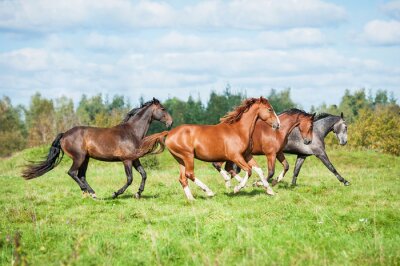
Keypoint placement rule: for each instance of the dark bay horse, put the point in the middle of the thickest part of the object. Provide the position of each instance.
(228, 140)
(113, 144)
(323, 124)
(270, 143)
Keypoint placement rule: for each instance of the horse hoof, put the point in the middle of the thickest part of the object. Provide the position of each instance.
(270, 192)
(114, 195)
(236, 189)
(274, 182)
(93, 195)
(228, 184)
(210, 194)
(346, 183)
(137, 196)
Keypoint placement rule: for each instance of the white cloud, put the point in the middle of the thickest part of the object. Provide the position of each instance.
(379, 32)
(49, 15)
(392, 9)
(292, 38)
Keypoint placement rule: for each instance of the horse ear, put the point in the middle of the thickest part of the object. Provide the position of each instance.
(313, 115)
(341, 115)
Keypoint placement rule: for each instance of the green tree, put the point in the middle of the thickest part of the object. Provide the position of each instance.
(41, 122)
(281, 101)
(65, 115)
(12, 129)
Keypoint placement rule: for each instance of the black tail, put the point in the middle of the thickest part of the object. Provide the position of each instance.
(36, 169)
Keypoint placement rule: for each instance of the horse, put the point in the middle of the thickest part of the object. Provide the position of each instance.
(323, 124)
(113, 144)
(271, 144)
(228, 140)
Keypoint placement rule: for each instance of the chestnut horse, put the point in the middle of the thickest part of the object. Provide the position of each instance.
(271, 143)
(228, 140)
(117, 143)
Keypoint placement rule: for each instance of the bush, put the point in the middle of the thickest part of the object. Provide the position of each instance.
(378, 129)
(150, 162)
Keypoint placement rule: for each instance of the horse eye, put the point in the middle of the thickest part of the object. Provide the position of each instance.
(270, 109)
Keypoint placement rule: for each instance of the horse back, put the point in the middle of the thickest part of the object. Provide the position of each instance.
(108, 144)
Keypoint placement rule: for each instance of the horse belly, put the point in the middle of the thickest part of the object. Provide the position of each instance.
(209, 150)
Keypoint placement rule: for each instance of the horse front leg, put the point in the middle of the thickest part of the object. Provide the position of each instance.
(282, 159)
(138, 166)
(241, 162)
(325, 160)
(299, 162)
(223, 172)
(128, 172)
(260, 173)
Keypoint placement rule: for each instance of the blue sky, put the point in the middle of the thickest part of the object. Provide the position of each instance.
(181, 48)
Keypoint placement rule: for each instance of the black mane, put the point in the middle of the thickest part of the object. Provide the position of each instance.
(322, 116)
(294, 111)
(134, 111)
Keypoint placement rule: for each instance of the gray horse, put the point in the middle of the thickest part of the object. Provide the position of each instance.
(323, 124)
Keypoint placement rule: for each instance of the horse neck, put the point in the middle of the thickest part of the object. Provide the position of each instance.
(288, 123)
(140, 122)
(247, 123)
(325, 125)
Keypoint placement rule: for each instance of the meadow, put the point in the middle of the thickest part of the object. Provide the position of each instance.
(46, 221)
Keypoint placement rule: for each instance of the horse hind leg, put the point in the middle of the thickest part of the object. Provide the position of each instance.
(74, 170)
(128, 172)
(82, 176)
(189, 173)
(142, 172)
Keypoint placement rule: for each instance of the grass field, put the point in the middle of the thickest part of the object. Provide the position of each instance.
(46, 221)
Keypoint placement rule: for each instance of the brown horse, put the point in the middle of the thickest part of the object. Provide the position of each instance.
(117, 143)
(271, 143)
(228, 140)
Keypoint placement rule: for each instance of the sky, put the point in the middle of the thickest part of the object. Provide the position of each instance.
(167, 49)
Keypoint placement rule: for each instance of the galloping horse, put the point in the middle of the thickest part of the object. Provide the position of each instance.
(323, 124)
(270, 143)
(117, 143)
(228, 140)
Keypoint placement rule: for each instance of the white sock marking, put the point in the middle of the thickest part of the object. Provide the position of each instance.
(203, 187)
(225, 175)
(188, 193)
(238, 178)
(242, 184)
(280, 177)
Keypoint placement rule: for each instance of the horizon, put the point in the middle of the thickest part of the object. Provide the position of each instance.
(148, 49)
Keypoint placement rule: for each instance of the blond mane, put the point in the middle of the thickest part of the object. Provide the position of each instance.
(236, 114)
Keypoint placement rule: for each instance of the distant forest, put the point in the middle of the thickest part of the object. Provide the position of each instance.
(374, 120)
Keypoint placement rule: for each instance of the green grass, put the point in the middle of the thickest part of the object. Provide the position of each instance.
(319, 222)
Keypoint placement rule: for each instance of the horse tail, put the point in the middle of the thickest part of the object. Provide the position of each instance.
(153, 144)
(36, 169)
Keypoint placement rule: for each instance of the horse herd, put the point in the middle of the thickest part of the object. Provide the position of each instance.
(252, 128)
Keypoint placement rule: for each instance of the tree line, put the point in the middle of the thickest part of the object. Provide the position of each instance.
(374, 119)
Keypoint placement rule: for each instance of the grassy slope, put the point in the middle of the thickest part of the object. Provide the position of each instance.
(318, 222)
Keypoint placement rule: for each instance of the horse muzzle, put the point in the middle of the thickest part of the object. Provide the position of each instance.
(168, 124)
(307, 141)
(275, 125)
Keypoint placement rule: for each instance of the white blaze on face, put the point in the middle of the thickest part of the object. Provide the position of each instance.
(188, 193)
(279, 121)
